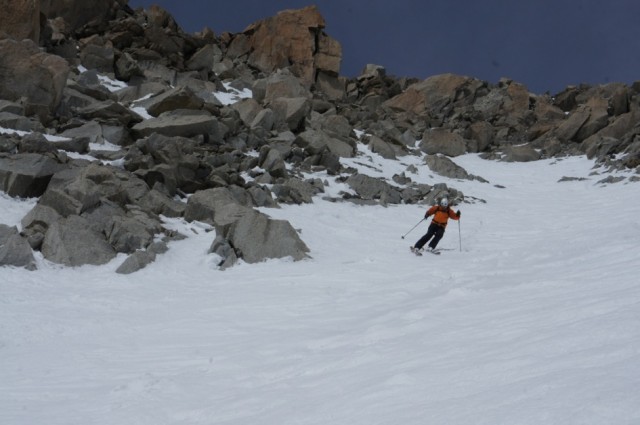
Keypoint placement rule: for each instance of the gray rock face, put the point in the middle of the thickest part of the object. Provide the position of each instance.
(72, 241)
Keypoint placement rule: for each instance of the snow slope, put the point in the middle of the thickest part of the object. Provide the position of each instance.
(535, 320)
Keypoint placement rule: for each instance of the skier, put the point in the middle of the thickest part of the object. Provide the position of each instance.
(441, 214)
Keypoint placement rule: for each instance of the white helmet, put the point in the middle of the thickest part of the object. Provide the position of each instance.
(444, 202)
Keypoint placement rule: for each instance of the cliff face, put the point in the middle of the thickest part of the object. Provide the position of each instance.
(113, 117)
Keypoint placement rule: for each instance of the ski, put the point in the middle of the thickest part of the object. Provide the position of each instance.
(419, 252)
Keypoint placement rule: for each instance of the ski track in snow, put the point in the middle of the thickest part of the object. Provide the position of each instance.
(535, 321)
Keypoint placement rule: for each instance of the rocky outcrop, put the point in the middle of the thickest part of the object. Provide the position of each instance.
(118, 119)
(292, 39)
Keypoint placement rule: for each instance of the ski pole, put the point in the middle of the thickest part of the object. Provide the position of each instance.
(402, 237)
(459, 235)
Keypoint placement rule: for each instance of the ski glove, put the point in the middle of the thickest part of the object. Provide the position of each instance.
(458, 213)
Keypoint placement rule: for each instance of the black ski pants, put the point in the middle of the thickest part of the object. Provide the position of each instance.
(434, 231)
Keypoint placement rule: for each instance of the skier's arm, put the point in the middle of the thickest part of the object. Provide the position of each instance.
(431, 211)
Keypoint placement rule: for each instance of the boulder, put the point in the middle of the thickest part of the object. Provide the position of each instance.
(370, 188)
(292, 39)
(14, 121)
(31, 76)
(315, 142)
(109, 111)
(72, 241)
(136, 261)
(521, 153)
(216, 206)
(434, 94)
(282, 84)
(181, 122)
(443, 166)
(176, 98)
(255, 238)
(440, 140)
(27, 175)
(290, 113)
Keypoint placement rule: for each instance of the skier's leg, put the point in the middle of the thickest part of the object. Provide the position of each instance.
(423, 240)
(439, 232)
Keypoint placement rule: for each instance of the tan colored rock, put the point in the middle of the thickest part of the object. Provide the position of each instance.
(292, 39)
(31, 76)
(432, 94)
(20, 19)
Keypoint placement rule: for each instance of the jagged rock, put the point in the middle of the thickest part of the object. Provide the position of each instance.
(440, 140)
(273, 162)
(166, 160)
(224, 250)
(109, 111)
(136, 261)
(32, 76)
(521, 153)
(97, 54)
(19, 122)
(35, 143)
(186, 123)
(610, 138)
(370, 188)
(140, 91)
(255, 238)
(315, 142)
(282, 84)
(177, 98)
(126, 231)
(247, 109)
(160, 203)
(77, 190)
(443, 166)
(481, 134)
(27, 175)
(14, 249)
(292, 39)
(216, 206)
(333, 87)
(434, 94)
(379, 146)
(290, 113)
(296, 191)
(36, 223)
(72, 241)
(567, 130)
(11, 107)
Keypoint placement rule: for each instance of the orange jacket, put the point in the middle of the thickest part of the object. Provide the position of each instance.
(441, 215)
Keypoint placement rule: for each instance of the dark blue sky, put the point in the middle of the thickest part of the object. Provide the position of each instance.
(544, 44)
